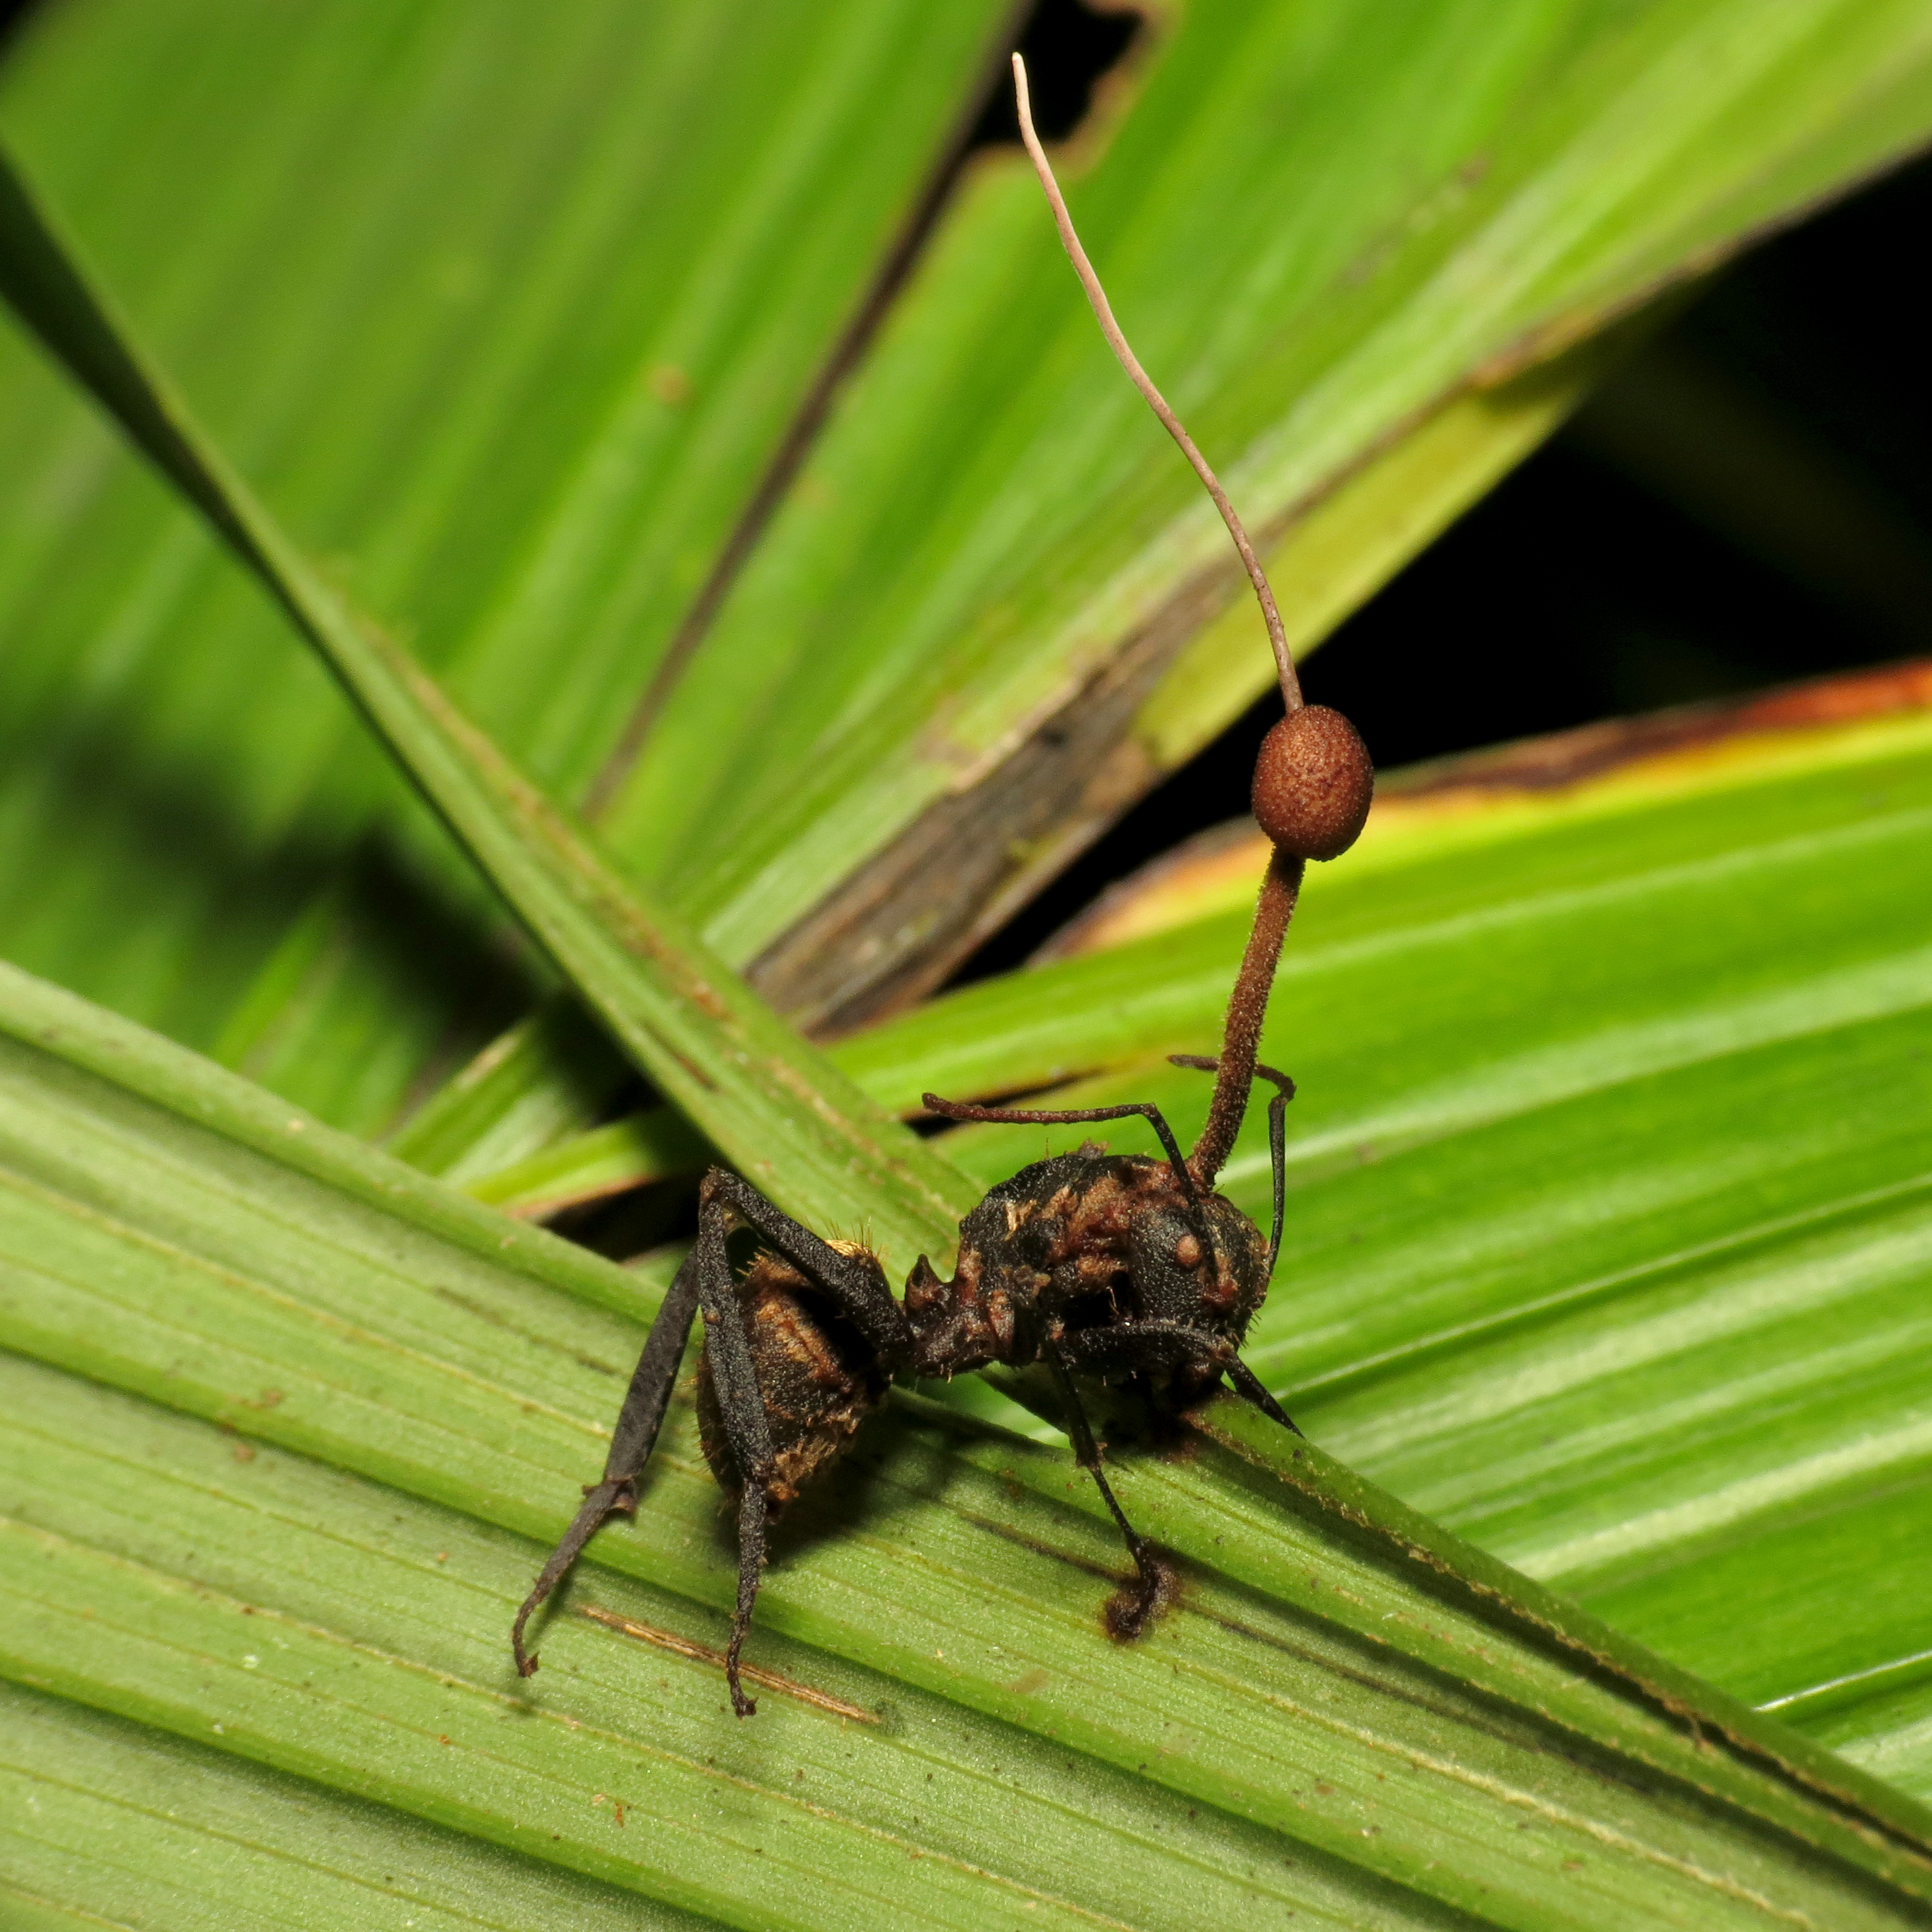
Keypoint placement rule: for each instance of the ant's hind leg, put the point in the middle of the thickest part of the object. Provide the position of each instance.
(1151, 1580)
(635, 1435)
(854, 1282)
(742, 1408)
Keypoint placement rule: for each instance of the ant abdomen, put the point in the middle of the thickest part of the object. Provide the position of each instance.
(816, 1378)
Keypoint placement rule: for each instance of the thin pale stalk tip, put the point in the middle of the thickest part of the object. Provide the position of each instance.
(1103, 314)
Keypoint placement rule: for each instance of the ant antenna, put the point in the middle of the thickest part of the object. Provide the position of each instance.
(1313, 781)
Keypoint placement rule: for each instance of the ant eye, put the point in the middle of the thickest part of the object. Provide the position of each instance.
(1187, 1252)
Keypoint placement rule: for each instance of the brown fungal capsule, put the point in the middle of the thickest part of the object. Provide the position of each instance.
(1313, 783)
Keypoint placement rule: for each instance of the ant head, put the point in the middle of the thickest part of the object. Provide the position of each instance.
(1212, 1286)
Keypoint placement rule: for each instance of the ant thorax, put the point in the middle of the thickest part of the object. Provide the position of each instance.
(1082, 1243)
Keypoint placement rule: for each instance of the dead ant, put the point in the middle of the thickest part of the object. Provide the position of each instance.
(1093, 1265)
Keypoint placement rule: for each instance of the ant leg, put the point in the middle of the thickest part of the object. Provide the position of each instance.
(742, 1408)
(1088, 1456)
(1277, 1135)
(1278, 1161)
(858, 1289)
(632, 1441)
(1250, 1388)
(854, 1283)
(1065, 1117)
(1174, 1338)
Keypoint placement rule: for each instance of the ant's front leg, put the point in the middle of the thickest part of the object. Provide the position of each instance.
(1277, 1140)
(1151, 1581)
(1155, 1342)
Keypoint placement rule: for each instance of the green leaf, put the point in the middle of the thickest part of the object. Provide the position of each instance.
(447, 397)
(1389, 1717)
(103, 1820)
(508, 314)
(496, 813)
(281, 1414)
(795, 1127)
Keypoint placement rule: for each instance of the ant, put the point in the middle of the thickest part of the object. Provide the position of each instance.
(1093, 1265)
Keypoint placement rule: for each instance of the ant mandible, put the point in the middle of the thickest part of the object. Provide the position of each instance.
(1091, 1264)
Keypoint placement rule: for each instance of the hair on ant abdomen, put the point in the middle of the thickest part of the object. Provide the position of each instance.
(1094, 1265)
